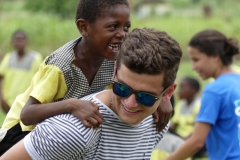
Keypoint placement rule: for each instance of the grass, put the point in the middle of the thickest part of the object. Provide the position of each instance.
(48, 32)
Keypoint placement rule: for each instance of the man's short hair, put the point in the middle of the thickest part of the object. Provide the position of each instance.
(152, 52)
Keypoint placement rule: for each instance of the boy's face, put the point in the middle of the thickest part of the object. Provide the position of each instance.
(19, 42)
(185, 90)
(106, 35)
(128, 109)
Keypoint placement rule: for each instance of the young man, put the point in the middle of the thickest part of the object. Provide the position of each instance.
(144, 77)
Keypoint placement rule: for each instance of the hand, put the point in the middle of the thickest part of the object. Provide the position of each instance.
(4, 105)
(162, 115)
(88, 113)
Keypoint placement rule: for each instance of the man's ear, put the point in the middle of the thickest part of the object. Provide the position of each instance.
(169, 92)
(83, 27)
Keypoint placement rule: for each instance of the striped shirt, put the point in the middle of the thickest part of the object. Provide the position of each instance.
(65, 137)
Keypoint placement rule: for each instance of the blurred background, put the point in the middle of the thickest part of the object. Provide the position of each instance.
(51, 23)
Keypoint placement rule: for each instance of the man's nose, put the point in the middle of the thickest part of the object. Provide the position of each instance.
(131, 101)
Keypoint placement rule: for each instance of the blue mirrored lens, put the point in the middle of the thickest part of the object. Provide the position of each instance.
(145, 99)
(121, 90)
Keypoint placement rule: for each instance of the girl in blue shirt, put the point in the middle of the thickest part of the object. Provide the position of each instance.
(218, 120)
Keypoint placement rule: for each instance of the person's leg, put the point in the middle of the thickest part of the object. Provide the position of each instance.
(18, 151)
(13, 136)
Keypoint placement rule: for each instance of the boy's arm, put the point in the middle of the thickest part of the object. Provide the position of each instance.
(5, 107)
(34, 112)
(47, 85)
(162, 115)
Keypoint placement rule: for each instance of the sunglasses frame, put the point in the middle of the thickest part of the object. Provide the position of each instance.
(136, 92)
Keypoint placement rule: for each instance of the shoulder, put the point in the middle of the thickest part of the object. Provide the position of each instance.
(64, 55)
(221, 84)
(8, 55)
(36, 56)
(67, 126)
(61, 134)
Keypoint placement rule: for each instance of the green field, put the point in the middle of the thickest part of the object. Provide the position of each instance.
(47, 32)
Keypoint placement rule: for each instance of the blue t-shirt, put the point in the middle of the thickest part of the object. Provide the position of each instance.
(220, 107)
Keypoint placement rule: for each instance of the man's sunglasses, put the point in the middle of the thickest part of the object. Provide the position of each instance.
(142, 98)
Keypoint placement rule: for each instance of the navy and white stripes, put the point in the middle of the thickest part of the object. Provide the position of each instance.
(65, 137)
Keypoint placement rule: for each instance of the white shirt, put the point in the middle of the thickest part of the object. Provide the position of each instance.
(65, 137)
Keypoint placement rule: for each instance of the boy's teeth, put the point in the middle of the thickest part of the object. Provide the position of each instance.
(114, 46)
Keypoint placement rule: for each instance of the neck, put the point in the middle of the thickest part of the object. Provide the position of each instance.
(106, 97)
(189, 100)
(222, 70)
(84, 55)
(20, 53)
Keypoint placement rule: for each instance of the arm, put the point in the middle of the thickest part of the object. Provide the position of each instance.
(47, 85)
(193, 144)
(162, 115)
(84, 110)
(18, 151)
(4, 104)
(165, 110)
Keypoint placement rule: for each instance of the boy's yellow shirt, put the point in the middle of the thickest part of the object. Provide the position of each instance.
(15, 75)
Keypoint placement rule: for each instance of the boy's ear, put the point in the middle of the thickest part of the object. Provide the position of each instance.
(82, 26)
(167, 96)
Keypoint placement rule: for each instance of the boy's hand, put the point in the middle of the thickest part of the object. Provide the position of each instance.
(162, 115)
(88, 113)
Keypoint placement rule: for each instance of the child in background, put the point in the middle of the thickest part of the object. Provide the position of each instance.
(218, 121)
(79, 68)
(187, 108)
(169, 143)
(17, 69)
(186, 111)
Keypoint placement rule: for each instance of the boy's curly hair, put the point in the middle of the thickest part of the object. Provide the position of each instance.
(90, 10)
